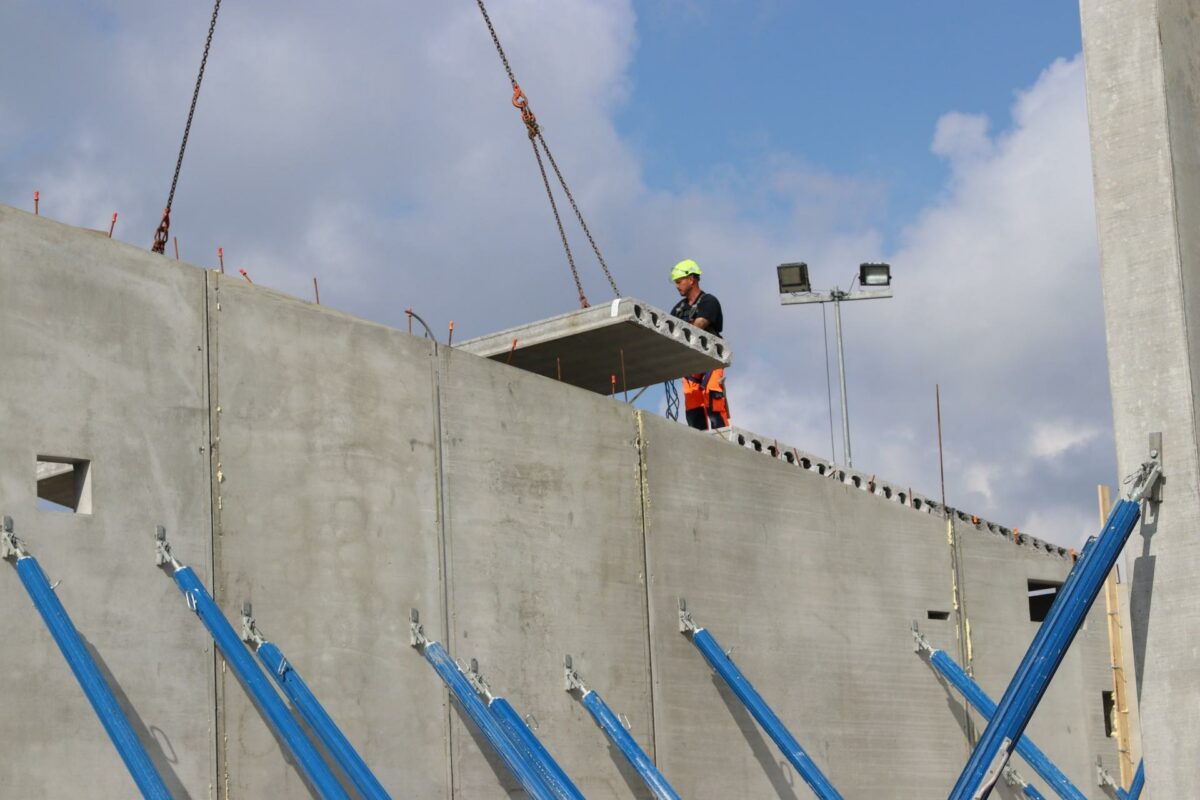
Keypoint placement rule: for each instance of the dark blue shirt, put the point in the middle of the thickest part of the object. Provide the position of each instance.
(706, 307)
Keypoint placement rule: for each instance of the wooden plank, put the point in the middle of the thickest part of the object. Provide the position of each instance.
(1116, 658)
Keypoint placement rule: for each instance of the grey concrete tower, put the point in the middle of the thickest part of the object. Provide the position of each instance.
(1143, 87)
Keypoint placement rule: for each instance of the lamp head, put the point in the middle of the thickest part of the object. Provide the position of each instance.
(793, 277)
(875, 274)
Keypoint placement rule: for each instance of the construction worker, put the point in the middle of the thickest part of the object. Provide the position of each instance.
(704, 399)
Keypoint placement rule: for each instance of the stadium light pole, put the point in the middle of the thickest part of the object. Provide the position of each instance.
(874, 282)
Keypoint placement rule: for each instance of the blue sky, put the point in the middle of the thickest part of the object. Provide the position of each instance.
(852, 88)
(374, 146)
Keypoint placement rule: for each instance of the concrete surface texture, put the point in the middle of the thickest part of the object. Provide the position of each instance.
(1143, 89)
(122, 384)
(325, 518)
(625, 344)
(337, 473)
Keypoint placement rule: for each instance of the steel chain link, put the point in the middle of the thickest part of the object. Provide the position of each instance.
(521, 102)
(579, 216)
(583, 301)
(161, 235)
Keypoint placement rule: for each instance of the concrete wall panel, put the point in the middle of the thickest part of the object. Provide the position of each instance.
(546, 558)
(328, 523)
(359, 472)
(814, 584)
(1143, 88)
(102, 349)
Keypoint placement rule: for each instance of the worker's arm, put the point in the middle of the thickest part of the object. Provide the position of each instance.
(707, 310)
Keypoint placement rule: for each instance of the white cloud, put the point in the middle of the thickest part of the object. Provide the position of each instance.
(961, 137)
(378, 150)
(998, 300)
(1053, 439)
(978, 479)
(1068, 525)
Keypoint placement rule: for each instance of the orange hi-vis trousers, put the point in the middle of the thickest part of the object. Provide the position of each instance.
(704, 400)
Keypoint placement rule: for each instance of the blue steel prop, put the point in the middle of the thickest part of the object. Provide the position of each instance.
(521, 769)
(311, 711)
(1027, 789)
(97, 690)
(1055, 635)
(523, 738)
(620, 738)
(986, 707)
(553, 775)
(724, 666)
(250, 676)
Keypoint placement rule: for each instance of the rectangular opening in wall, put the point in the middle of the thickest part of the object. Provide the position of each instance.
(1110, 727)
(1041, 597)
(64, 484)
(934, 614)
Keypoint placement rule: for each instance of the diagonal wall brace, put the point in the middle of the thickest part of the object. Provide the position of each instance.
(1054, 637)
(470, 702)
(724, 667)
(957, 677)
(617, 734)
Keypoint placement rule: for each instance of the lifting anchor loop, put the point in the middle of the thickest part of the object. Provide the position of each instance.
(521, 102)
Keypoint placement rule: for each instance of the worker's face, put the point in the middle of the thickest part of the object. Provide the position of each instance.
(685, 284)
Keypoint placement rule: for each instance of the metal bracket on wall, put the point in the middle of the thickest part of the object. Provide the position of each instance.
(477, 681)
(1155, 493)
(416, 634)
(571, 679)
(1103, 778)
(162, 549)
(250, 634)
(1146, 482)
(920, 643)
(686, 623)
(10, 545)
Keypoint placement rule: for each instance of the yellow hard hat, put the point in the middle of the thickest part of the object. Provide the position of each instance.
(685, 268)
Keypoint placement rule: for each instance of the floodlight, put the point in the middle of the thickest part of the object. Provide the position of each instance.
(793, 278)
(875, 274)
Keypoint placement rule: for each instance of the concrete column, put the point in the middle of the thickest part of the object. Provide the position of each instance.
(1143, 88)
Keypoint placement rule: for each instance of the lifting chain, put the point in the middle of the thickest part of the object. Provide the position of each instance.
(161, 235)
(583, 301)
(536, 138)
